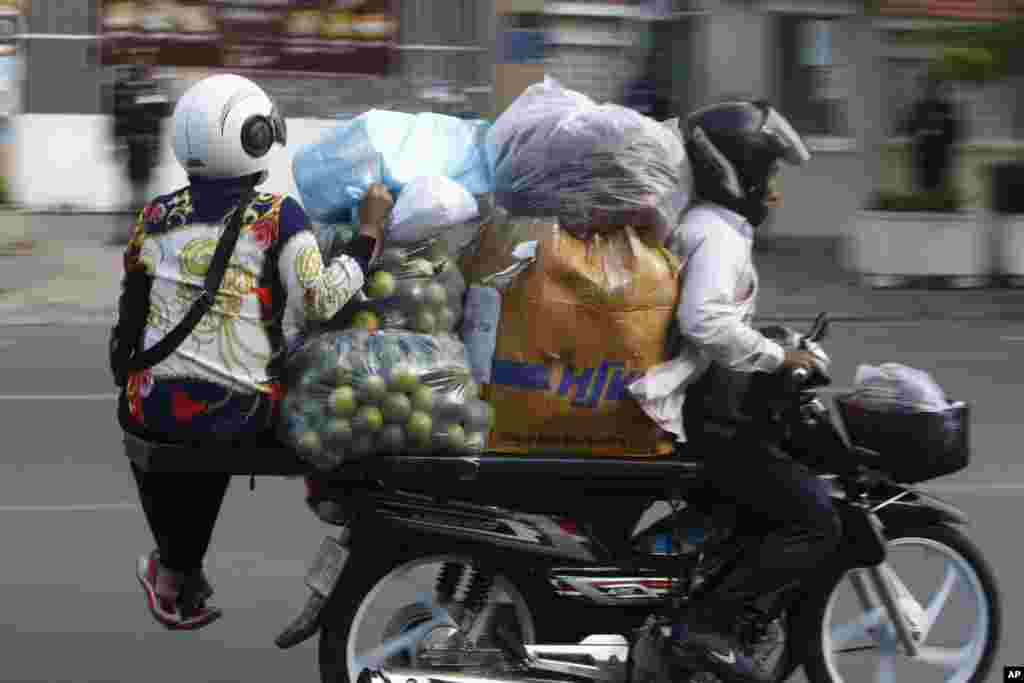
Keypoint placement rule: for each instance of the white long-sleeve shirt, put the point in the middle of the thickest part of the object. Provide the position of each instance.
(719, 290)
(718, 296)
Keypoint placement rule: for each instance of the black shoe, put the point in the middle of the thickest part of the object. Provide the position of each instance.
(719, 652)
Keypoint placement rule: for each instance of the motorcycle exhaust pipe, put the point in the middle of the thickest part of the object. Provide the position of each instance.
(441, 676)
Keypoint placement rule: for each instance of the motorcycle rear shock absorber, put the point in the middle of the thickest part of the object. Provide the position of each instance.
(448, 582)
(479, 591)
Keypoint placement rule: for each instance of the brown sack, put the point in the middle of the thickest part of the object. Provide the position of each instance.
(576, 328)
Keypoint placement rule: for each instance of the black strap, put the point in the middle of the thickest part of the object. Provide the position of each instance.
(214, 276)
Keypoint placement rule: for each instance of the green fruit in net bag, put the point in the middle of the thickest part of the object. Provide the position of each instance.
(366, 320)
(436, 295)
(391, 440)
(391, 258)
(396, 408)
(426, 322)
(411, 293)
(364, 445)
(423, 399)
(404, 381)
(309, 443)
(448, 407)
(419, 428)
(343, 401)
(438, 251)
(372, 389)
(369, 419)
(338, 431)
(419, 267)
(476, 442)
(382, 285)
(446, 319)
(477, 416)
(452, 437)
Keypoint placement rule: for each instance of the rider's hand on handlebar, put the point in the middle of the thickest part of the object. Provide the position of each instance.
(374, 211)
(796, 360)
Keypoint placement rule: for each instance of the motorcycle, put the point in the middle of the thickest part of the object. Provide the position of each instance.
(507, 569)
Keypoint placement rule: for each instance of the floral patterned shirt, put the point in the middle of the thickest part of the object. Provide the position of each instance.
(222, 378)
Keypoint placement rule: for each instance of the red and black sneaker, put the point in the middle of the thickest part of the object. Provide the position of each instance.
(182, 608)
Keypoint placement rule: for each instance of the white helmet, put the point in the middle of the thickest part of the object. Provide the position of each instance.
(225, 126)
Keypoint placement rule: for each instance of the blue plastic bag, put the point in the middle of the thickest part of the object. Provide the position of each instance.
(333, 174)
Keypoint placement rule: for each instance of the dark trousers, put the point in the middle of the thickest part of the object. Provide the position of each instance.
(785, 514)
(182, 511)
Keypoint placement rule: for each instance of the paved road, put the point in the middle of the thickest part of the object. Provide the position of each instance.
(72, 529)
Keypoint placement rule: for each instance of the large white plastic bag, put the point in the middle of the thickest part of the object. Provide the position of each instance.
(555, 152)
(427, 206)
(333, 174)
(893, 386)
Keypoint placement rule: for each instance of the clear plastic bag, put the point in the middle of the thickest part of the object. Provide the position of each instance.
(331, 237)
(333, 174)
(355, 394)
(427, 207)
(557, 153)
(898, 388)
(415, 287)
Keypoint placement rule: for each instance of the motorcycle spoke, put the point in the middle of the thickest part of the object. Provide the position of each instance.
(385, 651)
(943, 657)
(859, 628)
(887, 668)
(938, 601)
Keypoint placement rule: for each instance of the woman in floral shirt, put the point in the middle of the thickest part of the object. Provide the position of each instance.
(223, 382)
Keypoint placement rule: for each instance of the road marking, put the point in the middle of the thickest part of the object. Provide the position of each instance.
(72, 396)
(69, 508)
(1012, 339)
(7, 343)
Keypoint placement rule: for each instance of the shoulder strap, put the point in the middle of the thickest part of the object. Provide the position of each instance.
(214, 276)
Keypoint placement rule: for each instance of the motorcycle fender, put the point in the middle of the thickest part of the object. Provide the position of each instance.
(863, 543)
(921, 512)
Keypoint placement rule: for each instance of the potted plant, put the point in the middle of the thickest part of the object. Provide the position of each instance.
(979, 54)
(904, 237)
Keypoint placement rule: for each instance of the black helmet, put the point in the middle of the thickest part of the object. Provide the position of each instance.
(734, 148)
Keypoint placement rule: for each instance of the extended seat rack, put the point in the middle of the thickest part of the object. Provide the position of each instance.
(278, 460)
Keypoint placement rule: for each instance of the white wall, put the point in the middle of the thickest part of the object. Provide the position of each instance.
(69, 160)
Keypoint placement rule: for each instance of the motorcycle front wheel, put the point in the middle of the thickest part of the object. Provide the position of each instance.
(938, 576)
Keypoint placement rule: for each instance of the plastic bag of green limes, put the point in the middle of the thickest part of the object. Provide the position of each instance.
(416, 287)
(354, 394)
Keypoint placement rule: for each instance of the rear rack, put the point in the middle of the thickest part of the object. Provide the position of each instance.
(280, 461)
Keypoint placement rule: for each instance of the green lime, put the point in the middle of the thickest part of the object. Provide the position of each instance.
(426, 322)
(369, 419)
(453, 438)
(419, 428)
(373, 389)
(436, 295)
(423, 399)
(381, 285)
(397, 408)
(309, 442)
(343, 401)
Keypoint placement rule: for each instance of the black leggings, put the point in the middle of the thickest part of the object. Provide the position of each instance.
(182, 510)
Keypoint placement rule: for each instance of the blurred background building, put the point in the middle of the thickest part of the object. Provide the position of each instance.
(835, 67)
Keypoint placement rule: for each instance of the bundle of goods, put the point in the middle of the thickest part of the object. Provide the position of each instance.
(556, 153)
(333, 174)
(354, 394)
(557, 327)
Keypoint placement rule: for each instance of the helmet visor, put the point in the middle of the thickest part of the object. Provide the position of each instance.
(278, 125)
(791, 145)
